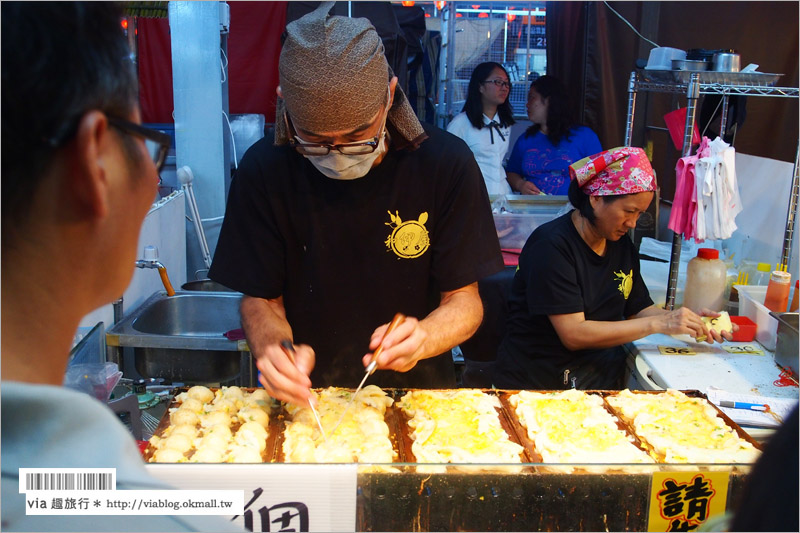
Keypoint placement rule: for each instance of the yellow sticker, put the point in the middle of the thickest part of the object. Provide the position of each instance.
(676, 350)
(743, 349)
(681, 501)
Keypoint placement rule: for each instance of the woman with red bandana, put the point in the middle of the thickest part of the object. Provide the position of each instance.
(578, 296)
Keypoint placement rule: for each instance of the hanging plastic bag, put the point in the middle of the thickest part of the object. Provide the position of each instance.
(95, 379)
(676, 124)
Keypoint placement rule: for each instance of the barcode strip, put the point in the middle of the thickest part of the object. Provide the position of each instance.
(68, 481)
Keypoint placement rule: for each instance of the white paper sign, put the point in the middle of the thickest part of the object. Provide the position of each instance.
(277, 497)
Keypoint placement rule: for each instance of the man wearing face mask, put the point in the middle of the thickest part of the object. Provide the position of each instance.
(353, 212)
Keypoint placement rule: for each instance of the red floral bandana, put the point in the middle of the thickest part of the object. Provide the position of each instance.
(623, 170)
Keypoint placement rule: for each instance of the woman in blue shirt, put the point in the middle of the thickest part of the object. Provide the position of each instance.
(540, 160)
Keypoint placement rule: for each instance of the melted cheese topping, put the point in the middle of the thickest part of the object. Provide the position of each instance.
(681, 429)
(457, 426)
(201, 427)
(574, 427)
(362, 436)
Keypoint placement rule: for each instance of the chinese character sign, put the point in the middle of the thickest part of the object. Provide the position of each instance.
(681, 501)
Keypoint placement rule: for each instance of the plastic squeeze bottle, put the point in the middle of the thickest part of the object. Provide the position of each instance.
(777, 298)
(762, 274)
(706, 278)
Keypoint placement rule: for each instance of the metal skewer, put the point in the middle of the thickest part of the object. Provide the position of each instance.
(289, 349)
(373, 364)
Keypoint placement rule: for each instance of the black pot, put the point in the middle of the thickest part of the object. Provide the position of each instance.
(205, 285)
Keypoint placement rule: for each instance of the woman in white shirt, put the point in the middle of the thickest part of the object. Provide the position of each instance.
(485, 123)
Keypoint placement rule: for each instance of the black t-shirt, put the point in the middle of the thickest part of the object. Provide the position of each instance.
(560, 274)
(347, 255)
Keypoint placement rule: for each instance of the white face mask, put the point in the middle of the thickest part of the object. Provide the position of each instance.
(339, 166)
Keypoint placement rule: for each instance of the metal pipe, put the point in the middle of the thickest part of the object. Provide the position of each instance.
(117, 306)
(723, 121)
(692, 94)
(631, 109)
(793, 201)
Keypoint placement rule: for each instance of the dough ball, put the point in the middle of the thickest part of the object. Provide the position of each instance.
(214, 442)
(260, 394)
(232, 393)
(215, 418)
(184, 417)
(253, 415)
(169, 455)
(264, 405)
(192, 404)
(244, 454)
(221, 430)
(331, 452)
(301, 452)
(255, 428)
(248, 438)
(224, 404)
(180, 443)
(200, 393)
(208, 455)
(189, 431)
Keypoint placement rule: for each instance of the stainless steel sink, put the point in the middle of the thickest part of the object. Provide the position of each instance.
(181, 338)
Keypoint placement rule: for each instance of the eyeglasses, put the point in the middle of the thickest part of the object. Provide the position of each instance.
(318, 149)
(353, 148)
(499, 83)
(156, 142)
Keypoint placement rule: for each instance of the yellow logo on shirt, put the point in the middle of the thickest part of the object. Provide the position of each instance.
(409, 239)
(625, 282)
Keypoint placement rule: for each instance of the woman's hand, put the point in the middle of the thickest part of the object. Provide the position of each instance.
(527, 187)
(683, 321)
(718, 335)
(521, 185)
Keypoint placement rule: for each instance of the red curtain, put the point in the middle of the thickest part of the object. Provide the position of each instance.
(254, 45)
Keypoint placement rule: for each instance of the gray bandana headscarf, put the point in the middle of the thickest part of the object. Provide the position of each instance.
(334, 76)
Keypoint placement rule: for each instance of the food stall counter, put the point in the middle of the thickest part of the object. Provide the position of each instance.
(740, 369)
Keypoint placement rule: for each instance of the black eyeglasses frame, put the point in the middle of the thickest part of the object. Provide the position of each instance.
(499, 83)
(301, 147)
(163, 140)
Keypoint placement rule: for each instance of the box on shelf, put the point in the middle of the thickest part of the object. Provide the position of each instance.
(516, 216)
(751, 305)
(513, 229)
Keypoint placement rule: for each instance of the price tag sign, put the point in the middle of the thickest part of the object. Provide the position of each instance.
(676, 350)
(744, 349)
(681, 501)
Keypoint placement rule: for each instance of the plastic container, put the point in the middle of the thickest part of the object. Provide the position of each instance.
(777, 297)
(793, 306)
(761, 275)
(750, 298)
(513, 229)
(746, 331)
(661, 58)
(706, 279)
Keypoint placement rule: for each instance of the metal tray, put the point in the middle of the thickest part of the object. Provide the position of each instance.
(401, 440)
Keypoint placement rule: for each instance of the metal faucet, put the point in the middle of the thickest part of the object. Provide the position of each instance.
(151, 261)
(150, 258)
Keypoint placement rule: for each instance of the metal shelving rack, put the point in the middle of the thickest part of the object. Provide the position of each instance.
(693, 84)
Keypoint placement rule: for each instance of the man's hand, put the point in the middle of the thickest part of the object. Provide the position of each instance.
(402, 347)
(284, 379)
